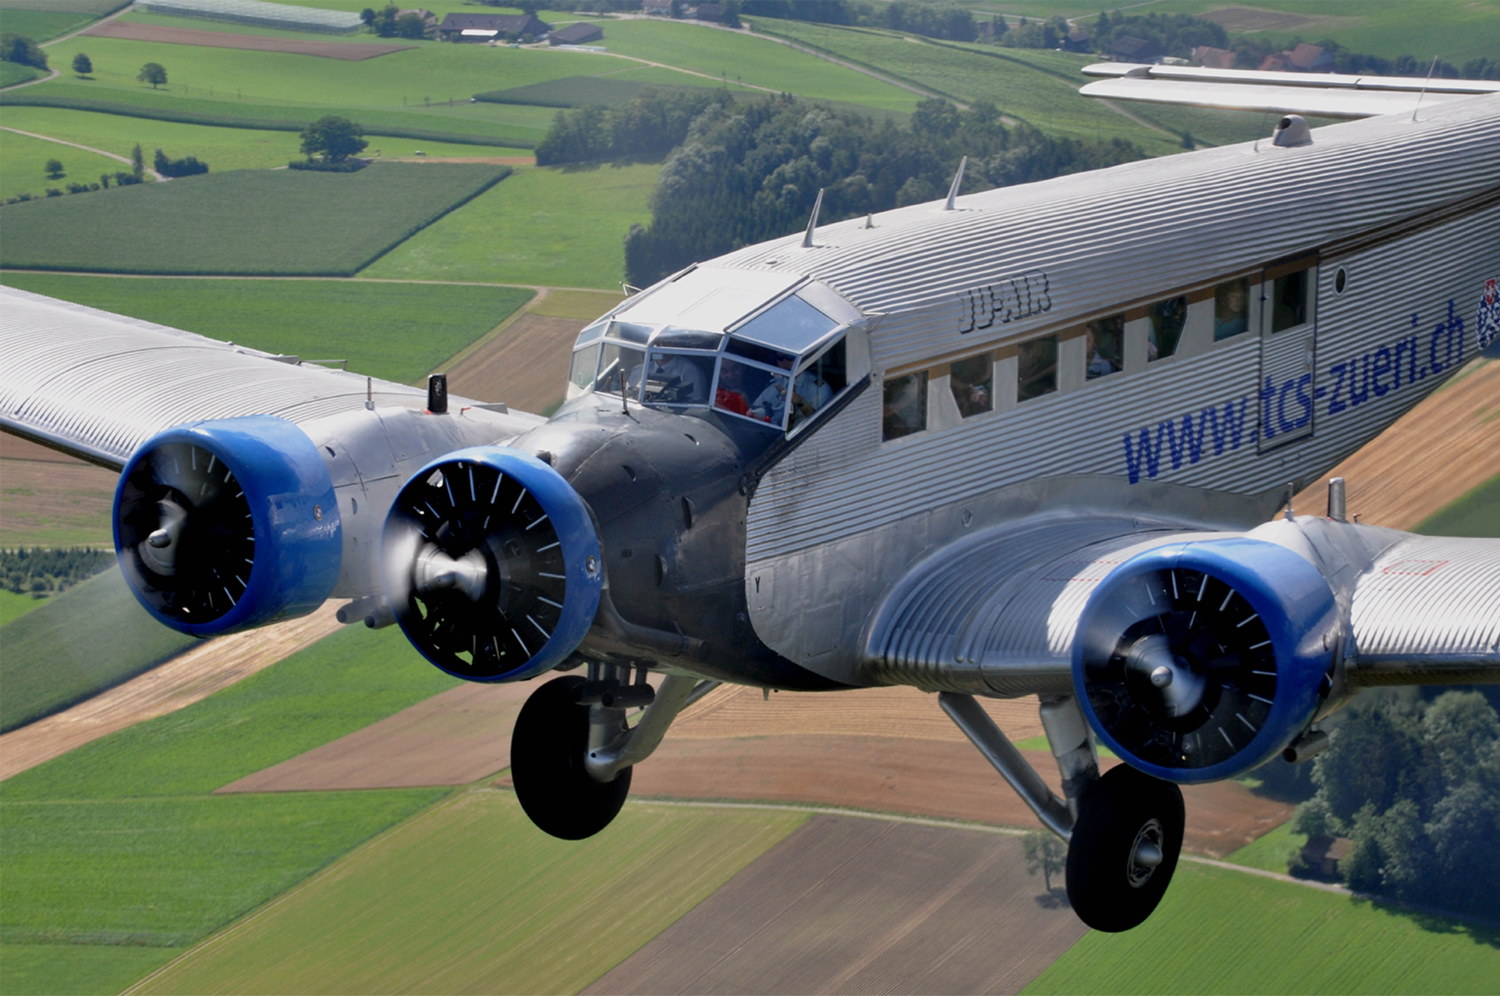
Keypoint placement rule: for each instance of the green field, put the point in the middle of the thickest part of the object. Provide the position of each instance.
(14, 606)
(472, 898)
(22, 159)
(338, 685)
(77, 644)
(1270, 851)
(1220, 931)
(81, 969)
(557, 227)
(1475, 514)
(224, 149)
(579, 91)
(12, 73)
(253, 222)
(399, 332)
(41, 20)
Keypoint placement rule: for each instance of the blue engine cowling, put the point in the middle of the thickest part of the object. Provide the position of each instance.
(491, 564)
(1198, 661)
(228, 524)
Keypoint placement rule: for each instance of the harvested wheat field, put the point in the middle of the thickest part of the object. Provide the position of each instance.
(453, 738)
(526, 366)
(1433, 455)
(50, 499)
(348, 51)
(174, 685)
(846, 904)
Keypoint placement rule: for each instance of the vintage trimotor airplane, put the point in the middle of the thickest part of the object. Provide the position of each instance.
(1021, 442)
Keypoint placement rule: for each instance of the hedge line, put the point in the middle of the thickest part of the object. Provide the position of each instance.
(26, 98)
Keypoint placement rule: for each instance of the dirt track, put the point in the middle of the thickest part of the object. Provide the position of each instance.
(180, 682)
(348, 51)
(855, 905)
(1436, 453)
(526, 366)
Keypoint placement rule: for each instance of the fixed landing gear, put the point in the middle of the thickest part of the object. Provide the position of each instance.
(547, 751)
(571, 752)
(1124, 848)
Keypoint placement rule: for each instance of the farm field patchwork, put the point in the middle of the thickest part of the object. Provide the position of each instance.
(471, 898)
(283, 222)
(76, 644)
(551, 227)
(399, 332)
(23, 158)
(1256, 935)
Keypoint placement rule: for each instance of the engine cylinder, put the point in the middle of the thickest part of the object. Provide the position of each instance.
(1198, 661)
(227, 524)
(491, 563)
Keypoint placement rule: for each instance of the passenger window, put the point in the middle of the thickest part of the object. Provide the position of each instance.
(752, 391)
(585, 362)
(1105, 350)
(905, 408)
(971, 383)
(619, 365)
(817, 383)
(1036, 369)
(678, 378)
(1289, 301)
(1167, 320)
(1231, 308)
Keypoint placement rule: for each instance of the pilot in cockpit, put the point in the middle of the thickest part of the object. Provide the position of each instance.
(671, 378)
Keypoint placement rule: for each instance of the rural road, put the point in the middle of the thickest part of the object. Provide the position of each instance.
(85, 148)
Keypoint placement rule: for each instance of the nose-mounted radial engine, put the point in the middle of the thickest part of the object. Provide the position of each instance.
(225, 525)
(492, 564)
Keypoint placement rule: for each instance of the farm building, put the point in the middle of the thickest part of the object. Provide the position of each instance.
(709, 12)
(1128, 48)
(580, 33)
(258, 14)
(1214, 58)
(491, 27)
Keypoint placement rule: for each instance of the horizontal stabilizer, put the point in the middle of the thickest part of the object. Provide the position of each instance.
(1322, 94)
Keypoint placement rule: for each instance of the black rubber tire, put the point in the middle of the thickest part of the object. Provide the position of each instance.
(1116, 810)
(546, 764)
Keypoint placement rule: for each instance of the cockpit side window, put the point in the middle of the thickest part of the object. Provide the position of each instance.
(619, 366)
(673, 378)
(585, 364)
(817, 382)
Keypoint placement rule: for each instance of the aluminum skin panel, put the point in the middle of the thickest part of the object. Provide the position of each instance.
(1346, 103)
(98, 384)
(1428, 612)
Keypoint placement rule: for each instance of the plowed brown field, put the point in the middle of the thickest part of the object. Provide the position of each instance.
(48, 497)
(848, 905)
(526, 366)
(349, 51)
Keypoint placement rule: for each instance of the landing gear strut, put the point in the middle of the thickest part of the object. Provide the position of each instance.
(1124, 848)
(571, 752)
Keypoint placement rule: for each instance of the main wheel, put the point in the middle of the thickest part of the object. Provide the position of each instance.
(1124, 848)
(546, 763)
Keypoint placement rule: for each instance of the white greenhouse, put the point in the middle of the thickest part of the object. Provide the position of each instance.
(259, 14)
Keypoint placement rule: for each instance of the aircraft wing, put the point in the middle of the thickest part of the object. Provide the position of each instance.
(97, 385)
(1324, 94)
(1004, 612)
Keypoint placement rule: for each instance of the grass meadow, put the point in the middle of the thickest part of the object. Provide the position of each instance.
(41, 20)
(12, 73)
(1271, 850)
(1220, 931)
(1475, 514)
(399, 332)
(224, 149)
(76, 644)
(23, 158)
(252, 222)
(558, 227)
(471, 898)
(119, 844)
(13, 607)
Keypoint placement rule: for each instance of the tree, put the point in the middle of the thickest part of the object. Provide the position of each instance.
(54, 169)
(411, 26)
(333, 138)
(368, 16)
(731, 17)
(137, 162)
(81, 64)
(19, 48)
(154, 73)
(1044, 853)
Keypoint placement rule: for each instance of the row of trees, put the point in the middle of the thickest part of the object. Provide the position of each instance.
(650, 126)
(1415, 787)
(749, 172)
(41, 571)
(389, 22)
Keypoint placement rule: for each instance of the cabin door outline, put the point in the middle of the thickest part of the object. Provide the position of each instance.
(1287, 386)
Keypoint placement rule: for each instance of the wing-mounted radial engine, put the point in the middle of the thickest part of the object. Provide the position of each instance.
(226, 525)
(1198, 661)
(492, 564)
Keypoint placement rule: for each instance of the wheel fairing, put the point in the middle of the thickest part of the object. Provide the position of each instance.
(1292, 600)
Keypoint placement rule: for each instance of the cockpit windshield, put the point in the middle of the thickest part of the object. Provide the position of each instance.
(711, 340)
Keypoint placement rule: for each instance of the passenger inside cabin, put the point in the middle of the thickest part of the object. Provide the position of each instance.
(1036, 368)
(1105, 338)
(1231, 308)
(970, 382)
(1167, 319)
(770, 404)
(905, 405)
(730, 394)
